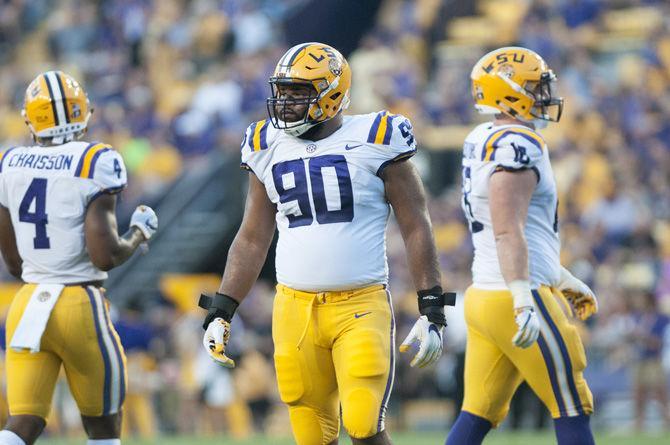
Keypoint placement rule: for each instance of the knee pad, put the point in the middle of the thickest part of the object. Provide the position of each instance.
(361, 413)
(367, 355)
(290, 378)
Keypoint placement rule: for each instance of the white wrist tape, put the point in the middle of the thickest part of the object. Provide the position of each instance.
(521, 292)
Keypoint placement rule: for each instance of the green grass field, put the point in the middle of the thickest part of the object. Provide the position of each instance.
(495, 438)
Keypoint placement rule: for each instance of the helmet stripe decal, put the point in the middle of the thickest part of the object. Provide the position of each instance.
(62, 94)
(295, 54)
(291, 54)
(53, 100)
(56, 96)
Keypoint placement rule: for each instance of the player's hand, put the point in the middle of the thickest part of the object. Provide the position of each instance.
(145, 219)
(524, 314)
(581, 297)
(429, 336)
(215, 342)
(529, 327)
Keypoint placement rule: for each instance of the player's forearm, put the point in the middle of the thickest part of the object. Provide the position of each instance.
(512, 255)
(123, 248)
(422, 256)
(8, 247)
(245, 260)
(13, 261)
(14, 268)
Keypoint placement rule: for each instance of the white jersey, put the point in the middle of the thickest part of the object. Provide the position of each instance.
(488, 149)
(47, 191)
(331, 206)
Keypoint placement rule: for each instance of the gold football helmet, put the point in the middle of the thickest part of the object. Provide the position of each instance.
(324, 71)
(56, 108)
(517, 82)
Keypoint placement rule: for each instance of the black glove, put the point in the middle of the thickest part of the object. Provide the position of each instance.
(432, 302)
(218, 306)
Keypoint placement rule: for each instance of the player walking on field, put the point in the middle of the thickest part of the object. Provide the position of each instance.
(58, 233)
(326, 181)
(518, 328)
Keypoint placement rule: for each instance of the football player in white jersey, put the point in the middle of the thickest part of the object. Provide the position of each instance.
(518, 327)
(326, 181)
(58, 234)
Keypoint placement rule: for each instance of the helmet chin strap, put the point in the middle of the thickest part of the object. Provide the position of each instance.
(300, 129)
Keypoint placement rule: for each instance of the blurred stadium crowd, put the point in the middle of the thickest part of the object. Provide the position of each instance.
(173, 81)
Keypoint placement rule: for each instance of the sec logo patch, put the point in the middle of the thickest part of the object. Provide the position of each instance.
(311, 148)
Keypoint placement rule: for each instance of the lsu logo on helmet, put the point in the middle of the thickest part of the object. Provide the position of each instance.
(56, 107)
(515, 81)
(312, 64)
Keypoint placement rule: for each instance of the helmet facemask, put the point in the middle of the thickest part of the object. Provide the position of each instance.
(279, 106)
(547, 106)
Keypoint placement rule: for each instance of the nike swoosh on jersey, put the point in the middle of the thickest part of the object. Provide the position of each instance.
(362, 315)
(351, 147)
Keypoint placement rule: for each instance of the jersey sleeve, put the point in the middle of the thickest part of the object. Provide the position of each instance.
(255, 140)
(513, 149)
(108, 172)
(391, 139)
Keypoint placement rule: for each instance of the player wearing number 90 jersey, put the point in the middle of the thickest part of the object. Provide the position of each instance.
(330, 198)
(58, 234)
(326, 181)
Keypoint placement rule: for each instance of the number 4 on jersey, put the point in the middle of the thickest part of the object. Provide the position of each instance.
(37, 193)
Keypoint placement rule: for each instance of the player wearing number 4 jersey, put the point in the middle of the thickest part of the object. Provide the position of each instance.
(517, 327)
(326, 181)
(58, 234)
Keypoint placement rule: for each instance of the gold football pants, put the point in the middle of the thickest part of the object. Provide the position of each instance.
(79, 336)
(494, 367)
(334, 348)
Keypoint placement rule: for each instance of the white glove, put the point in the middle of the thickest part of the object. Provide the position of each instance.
(429, 336)
(145, 219)
(215, 341)
(529, 327)
(581, 297)
(524, 314)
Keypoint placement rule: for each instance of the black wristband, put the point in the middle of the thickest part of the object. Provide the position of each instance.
(432, 302)
(218, 306)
